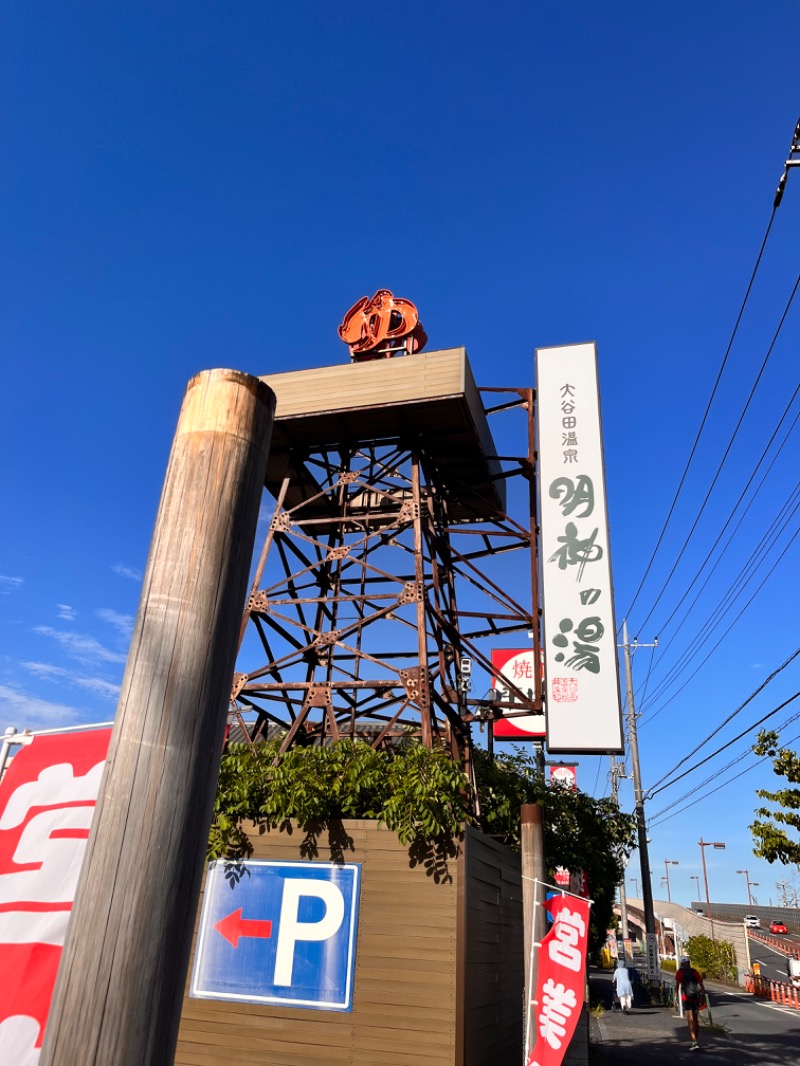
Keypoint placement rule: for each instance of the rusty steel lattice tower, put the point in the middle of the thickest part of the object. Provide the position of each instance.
(383, 577)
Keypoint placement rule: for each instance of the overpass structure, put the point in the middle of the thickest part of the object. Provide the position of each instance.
(694, 925)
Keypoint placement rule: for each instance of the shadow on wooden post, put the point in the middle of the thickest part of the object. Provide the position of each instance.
(118, 995)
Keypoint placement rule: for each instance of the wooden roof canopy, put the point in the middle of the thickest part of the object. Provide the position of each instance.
(428, 401)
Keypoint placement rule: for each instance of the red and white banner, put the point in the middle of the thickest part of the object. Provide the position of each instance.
(553, 1014)
(515, 665)
(564, 774)
(577, 882)
(47, 800)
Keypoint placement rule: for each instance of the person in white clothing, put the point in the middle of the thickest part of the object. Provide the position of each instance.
(623, 986)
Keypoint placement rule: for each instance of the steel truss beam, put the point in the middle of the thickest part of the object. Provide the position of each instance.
(369, 601)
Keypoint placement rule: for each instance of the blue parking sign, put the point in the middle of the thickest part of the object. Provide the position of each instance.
(280, 933)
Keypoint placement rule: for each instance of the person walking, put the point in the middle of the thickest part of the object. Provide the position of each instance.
(689, 984)
(623, 986)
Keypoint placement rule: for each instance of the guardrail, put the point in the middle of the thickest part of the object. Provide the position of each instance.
(772, 942)
(777, 991)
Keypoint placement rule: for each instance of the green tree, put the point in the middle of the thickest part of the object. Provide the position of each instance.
(424, 797)
(580, 832)
(421, 795)
(772, 827)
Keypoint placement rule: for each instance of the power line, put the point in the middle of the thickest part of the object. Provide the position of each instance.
(722, 724)
(724, 784)
(734, 590)
(723, 460)
(792, 161)
(733, 623)
(649, 671)
(705, 413)
(745, 513)
(713, 754)
(664, 683)
(716, 774)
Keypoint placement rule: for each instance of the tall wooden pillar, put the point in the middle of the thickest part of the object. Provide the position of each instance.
(118, 995)
(533, 871)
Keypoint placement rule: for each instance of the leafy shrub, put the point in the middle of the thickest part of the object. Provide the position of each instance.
(713, 958)
(423, 796)
(420, 794)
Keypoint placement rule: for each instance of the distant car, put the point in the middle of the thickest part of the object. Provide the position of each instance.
(777, 927)
(752, 921)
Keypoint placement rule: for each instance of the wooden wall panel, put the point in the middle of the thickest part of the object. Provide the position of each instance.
(405, 1007)
(382, 381)
(493, 978)
(412, 1005)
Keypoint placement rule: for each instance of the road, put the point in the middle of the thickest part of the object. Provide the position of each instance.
(773, 962)
(746, 1031)
(758, 1031)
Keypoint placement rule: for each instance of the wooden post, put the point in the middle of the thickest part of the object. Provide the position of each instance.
(533, 918)
(117, 999)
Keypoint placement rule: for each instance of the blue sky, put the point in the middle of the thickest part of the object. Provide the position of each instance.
(206, 184)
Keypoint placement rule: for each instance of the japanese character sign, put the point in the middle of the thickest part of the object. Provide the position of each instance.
(553, 1012)
(47, 800)
(581, 680)
(513, 680)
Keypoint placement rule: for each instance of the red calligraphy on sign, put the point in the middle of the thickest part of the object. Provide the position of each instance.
(47, 799)
(564, 689)
(557, 1004)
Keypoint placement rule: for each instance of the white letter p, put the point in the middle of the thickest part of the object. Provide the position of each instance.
(290, 930)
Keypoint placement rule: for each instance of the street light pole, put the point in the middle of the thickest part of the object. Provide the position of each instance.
(667, 864)
(696, 880)
(636, 882)
(749, 883)
(719, 846)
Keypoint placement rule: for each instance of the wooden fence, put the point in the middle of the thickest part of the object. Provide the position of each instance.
(439, 975)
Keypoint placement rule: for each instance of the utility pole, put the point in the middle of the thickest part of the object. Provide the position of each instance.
(641, 827)
(616, 773)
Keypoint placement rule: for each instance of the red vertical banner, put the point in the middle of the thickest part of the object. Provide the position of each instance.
(47, 800)
(557, 1003)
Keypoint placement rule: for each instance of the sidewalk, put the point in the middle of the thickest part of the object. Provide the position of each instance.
(652, 1035)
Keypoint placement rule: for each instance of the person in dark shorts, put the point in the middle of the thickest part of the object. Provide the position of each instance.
(691, 989)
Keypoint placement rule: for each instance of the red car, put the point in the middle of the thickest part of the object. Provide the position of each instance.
(777, 927)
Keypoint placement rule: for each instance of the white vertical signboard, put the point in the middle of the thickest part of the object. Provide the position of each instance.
(581, 675)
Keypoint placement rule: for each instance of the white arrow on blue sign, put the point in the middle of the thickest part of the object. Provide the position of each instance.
(281, 933)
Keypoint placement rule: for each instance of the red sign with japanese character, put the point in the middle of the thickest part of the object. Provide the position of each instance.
(515, 665)
(47, 800)
(565, 775)
(553, 1014)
